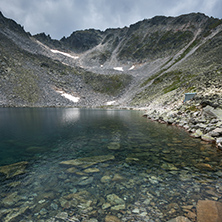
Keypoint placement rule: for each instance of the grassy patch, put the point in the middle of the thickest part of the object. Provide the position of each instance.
(192, 108)
(152, 78)
(139, 47)
(26, 87)
(109, 84)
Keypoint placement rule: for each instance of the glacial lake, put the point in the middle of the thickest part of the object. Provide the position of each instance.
(85, 164)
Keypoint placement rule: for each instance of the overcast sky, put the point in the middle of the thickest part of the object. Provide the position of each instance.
(61, 17)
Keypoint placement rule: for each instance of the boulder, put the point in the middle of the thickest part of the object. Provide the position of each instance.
(219, 143)
(216, 132)
(207, 138)
(212, 113)
(197, 134)
(206, 103)
(209, 211)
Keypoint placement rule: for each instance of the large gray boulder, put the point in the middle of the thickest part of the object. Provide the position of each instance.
(211, 112)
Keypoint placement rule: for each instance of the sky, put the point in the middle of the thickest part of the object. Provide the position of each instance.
(60, 18)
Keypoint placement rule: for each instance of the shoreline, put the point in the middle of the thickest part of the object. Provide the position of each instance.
(201, 121)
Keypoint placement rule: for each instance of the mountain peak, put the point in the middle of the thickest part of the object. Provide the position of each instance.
(11, 24)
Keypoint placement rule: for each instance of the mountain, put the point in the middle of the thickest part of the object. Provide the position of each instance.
(154, 60)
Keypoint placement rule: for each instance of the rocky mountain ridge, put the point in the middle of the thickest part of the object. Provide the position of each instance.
(152, 60)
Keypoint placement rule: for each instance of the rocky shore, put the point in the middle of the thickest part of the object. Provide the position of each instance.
(200, 116)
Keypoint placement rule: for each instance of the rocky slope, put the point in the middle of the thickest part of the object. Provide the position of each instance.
(34, 75)
(154, 60)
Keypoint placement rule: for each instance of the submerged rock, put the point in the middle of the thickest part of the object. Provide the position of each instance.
(209, 211)
(114, 146)
(14, 169)
(106, 205)
(118, 177)
(132, 159)
(85, 181)
(11, 199)
(62, 215)
(15, 184)
(168, 166)
(72, 170)
(180, 219)
(111, 218)
(15, 213)
(116, 202)
(36, 149)
(88, 161)
(113, 199)
(118, 207)
(204, 166)
(91, 170)
(105, 179)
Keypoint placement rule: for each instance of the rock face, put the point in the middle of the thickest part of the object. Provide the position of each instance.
(81, 41)
(209, 211)
(14, 169)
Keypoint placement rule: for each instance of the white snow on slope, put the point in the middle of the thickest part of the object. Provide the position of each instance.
(64, 53)
(132, 67)
(118, 68)
(68, 96)
(110, 103)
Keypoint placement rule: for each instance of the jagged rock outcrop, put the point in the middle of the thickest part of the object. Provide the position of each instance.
(81, 41)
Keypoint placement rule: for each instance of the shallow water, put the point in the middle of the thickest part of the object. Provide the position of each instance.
(158, 172)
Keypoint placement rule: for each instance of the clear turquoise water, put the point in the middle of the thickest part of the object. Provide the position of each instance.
(160, 165)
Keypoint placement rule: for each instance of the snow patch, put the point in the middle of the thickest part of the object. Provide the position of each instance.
(118, 68)
(110, 103)
(64, 53)
(69, 97)
(132, 67)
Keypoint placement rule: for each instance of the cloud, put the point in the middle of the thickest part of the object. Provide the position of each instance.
(61, 17)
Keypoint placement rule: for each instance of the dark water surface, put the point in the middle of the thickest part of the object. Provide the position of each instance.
(154, 172)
